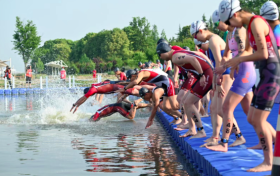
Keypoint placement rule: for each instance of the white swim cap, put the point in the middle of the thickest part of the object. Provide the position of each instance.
(207, 41)
(269, 11)
(215, 16)
(227, 8)
(195, 26)
(196, 42)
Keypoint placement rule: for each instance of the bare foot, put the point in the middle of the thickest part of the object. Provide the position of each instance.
(175, 122)
(205, 115)
(181, 127)
(200, 134)
(219, 147)
(261, 168)
(188, 133)
(211, 141)
(256, 147)
(238, 141)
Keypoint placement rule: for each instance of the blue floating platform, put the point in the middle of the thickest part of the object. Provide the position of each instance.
(22, 91)
(29, 91)
(7, 91)
(2, 92)
(15, 91)
(234, 162)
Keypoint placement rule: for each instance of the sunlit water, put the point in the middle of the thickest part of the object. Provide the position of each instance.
(39, 136)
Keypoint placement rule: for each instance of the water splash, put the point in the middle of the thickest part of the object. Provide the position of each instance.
(54, 108)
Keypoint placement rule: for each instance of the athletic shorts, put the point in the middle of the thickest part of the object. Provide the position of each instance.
(200, 91)
(169, 72)
(245, 79)
(188, 83)
(169, 89)
(28, 79)
(268, 87)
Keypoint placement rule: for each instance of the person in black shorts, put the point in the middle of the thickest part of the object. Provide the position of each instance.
(128, 110)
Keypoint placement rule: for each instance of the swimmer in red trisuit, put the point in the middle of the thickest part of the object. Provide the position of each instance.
(160, 79)
(126, 109)
(120, 75)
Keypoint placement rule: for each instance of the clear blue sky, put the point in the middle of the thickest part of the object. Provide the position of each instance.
(73, 19)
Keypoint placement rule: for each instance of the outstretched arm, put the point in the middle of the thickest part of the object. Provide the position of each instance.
(78, 103)
(156, 96)
(133, 110)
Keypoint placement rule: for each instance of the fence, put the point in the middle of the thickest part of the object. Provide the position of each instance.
(16, 86)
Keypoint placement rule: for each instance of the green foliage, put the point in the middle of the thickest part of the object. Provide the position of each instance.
(183, 34)
(163, 35)
(85, 65)
(139, 33)
(109, 65)
(155, 34)
(115, 44)
(111, 73)
(255, 5)
(26, 39)
(204, 18)
(40, 66)
(186, 42)
(119, 62)
(79, 47)
(73, 69)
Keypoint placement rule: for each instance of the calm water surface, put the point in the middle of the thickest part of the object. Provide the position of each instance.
(39, 136)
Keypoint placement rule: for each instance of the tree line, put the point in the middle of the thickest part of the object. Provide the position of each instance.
(106, 49)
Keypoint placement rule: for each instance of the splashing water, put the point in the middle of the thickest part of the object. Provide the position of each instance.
(54, 108)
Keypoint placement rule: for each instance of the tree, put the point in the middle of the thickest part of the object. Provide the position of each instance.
(185, 33)
(140, 32)
(255, 5)
(186, 42)
(115, 44)
(155, 34)
(39, 65)
(86, 65)
(163, 35)
(204, 18)
(26, 39)
(79, 47)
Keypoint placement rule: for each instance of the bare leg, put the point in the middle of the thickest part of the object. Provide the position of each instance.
(192, 111)
(184, 124)
(101, 98)
(230, 104)
(218, 113)
(245, 101)
(261, 127)
(206, 100)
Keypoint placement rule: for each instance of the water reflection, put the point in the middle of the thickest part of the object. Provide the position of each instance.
(26, 143)
(139, 153)
(29, 102)
(17, 102)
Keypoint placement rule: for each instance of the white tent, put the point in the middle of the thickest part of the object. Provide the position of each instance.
(2, 67)
(56, 65)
